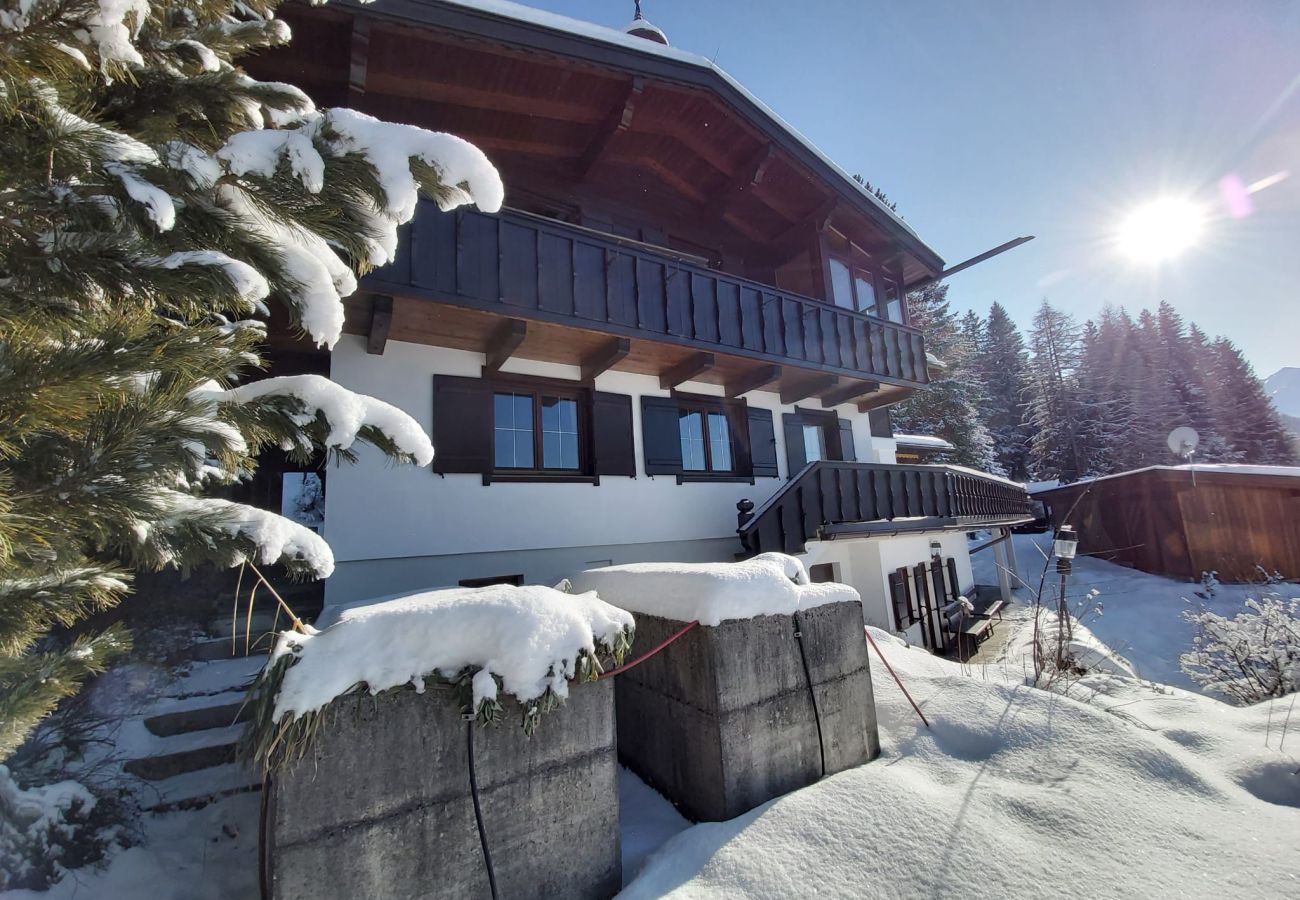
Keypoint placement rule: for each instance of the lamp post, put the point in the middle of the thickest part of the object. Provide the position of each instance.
(1064, 547)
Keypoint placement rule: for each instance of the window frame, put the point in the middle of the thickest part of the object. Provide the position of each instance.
(538, 388)
(734, 413)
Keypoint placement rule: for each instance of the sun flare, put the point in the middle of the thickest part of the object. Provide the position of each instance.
(1161, 230)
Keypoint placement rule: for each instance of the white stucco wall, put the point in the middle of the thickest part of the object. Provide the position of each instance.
(378, 511)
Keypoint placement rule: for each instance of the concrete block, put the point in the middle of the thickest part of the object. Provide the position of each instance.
(381, 806)
(722, 720)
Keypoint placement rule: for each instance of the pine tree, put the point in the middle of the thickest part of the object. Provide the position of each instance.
(1064, 441)
(1000, 368)
(946, 408)
(152, 196)
(1247, 418)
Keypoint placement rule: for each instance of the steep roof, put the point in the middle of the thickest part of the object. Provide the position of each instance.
(524, 26)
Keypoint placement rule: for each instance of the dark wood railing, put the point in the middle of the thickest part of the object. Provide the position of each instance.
(535, 268)
(829, 498)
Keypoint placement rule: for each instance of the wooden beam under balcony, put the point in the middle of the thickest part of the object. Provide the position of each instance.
(503, 343)
(760, 377)
(686, 370)
(851, 391)
(619, 118)
(605, 359)
(884, 397)
(381, 321)
(812, 387)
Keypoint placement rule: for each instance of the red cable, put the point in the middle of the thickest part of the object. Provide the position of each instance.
(872, 642)
(645, 656)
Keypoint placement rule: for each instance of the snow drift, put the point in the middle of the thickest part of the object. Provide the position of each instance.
(1020, 792)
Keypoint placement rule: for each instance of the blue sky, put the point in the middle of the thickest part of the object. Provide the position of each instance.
(988, 120)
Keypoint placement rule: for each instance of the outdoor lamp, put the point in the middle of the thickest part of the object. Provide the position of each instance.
(1065, 546)
(1066, 543)
(936, 550)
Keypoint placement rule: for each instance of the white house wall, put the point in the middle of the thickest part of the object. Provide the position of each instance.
(401, 514)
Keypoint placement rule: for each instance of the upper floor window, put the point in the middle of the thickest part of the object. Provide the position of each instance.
(853, 287)
(893, 300)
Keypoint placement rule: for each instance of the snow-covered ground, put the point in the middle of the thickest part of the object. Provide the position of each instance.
(1123, 788)
(1140, 617)
(1019, 792)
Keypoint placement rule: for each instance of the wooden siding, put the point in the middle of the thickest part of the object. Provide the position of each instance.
(523, 265)
(829, 498)
(1158, 521)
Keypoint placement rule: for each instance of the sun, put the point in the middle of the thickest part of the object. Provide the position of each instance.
(1161, 230)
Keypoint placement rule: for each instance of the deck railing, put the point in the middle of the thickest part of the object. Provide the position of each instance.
(828, 498)
(523, 265)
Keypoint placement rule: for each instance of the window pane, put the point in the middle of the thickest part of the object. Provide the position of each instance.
(893, 302)
(866, 289)
(720, 442)
(513, 431)
(692, 435)
(559, 433)
(841, 284)
(814, 443)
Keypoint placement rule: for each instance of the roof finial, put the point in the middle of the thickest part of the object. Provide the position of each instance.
(641, 27)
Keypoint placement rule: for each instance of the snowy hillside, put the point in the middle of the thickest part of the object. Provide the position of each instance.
(1283, 388)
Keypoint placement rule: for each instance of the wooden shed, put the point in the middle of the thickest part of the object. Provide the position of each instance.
(1180, 521)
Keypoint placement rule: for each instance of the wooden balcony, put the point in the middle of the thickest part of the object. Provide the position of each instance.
(830, 499)
(536, 270)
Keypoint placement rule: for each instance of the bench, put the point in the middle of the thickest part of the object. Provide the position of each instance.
(964, 631)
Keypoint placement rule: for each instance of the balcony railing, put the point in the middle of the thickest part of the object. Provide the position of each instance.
(526, 266)
(829, 499)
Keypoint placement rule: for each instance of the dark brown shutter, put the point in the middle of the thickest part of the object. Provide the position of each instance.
(795, 459)
(661, 436)
(612, 434)
(847, 451)
(762, 442)
(462, 424)
(882, 425)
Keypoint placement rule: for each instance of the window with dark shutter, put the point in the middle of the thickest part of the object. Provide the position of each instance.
(462, 424)
(811, 435)
(612, 434)
(762, 442)
(661, 436)
(848, 452)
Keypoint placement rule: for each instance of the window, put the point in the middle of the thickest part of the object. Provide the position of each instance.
(526, 425)
(814, 443)
(853, 287)
(893, 301)
(700, 438)
(515, 580)
(842, 284)
(706, 440)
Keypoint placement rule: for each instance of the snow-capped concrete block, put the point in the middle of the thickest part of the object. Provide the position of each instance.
(723, 719)
(381, 805)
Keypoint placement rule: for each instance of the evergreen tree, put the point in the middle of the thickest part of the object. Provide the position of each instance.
(1247, 418)
(946, 408)
(1063, 445)
(1000, 365)
(152, 196)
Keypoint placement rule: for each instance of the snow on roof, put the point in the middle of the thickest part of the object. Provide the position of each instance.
(770, 584)
(1207, 468)
(556, 22)
(530, 637)
(923, 440)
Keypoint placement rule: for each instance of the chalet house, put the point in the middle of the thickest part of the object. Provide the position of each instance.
(686, 319)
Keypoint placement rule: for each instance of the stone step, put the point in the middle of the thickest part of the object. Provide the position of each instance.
(217, 649)
(199, 788)
(211, 683)
(201, 718)
(187, 752)
(263, 621)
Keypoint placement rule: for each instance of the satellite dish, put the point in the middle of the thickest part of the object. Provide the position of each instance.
(1182, 441)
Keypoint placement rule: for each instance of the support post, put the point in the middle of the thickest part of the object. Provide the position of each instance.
(1001, 559)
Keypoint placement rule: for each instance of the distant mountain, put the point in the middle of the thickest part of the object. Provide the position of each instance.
(1283, 388)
